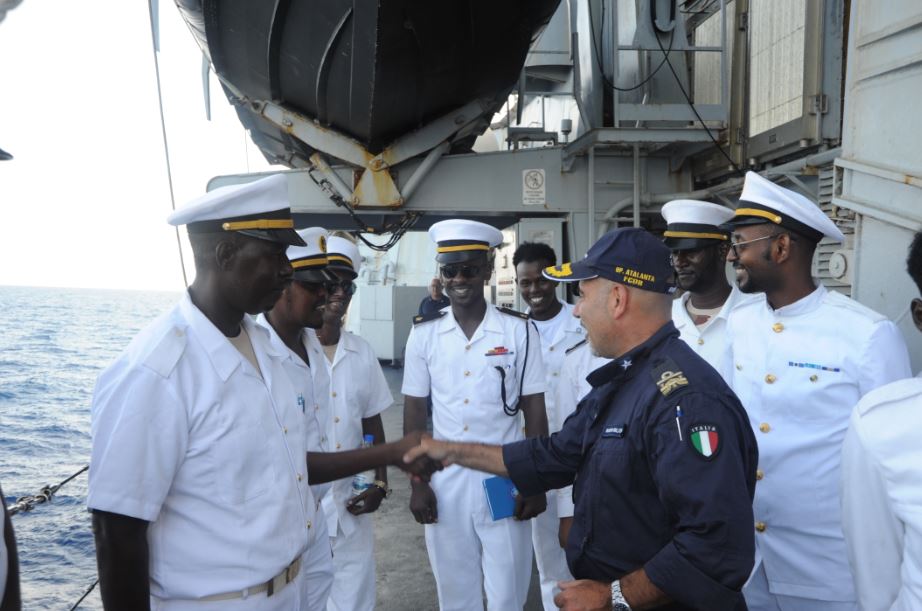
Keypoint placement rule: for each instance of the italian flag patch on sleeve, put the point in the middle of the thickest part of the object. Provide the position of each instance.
(705, 440)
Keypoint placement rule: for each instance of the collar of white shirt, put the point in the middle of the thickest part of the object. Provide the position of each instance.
(222, 354)
(804, 305)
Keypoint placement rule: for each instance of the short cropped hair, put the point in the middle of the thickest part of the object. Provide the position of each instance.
(532, 252)
(914, 261)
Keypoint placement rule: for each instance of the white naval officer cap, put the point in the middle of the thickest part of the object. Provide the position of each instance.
(762, 201)
(691, 223)
(309, 261)
(460, 239)
(344, 255)
(258, 209)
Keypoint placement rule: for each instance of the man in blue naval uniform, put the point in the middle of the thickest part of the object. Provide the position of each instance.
(660, 452)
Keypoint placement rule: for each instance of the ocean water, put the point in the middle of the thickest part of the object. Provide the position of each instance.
(53, 344)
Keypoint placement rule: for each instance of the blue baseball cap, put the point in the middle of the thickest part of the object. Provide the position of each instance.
(631, 256)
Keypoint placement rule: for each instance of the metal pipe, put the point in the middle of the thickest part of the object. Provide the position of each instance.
(427, 164)
(819, 159)
(636, 185)
(591, 173)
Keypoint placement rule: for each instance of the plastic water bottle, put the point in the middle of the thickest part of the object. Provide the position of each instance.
(366, 479)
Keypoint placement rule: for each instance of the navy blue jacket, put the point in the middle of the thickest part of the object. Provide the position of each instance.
(678, 505)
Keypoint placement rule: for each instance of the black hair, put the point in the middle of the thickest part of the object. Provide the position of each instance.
(531, 252)
(914, 260)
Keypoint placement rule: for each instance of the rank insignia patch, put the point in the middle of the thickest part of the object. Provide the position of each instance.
(668, 377)
(705, 440)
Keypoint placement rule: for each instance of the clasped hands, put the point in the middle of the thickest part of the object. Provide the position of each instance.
(413, 457)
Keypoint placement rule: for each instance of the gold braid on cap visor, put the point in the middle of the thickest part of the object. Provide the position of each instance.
(312, 262)
(765, 214)
(259, 224)
(462, 247)
(694, 234)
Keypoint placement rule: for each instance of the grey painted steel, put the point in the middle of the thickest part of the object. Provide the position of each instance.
(879, 174)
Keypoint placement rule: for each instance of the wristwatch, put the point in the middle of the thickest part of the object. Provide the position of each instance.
(383, 486)
(618, 603)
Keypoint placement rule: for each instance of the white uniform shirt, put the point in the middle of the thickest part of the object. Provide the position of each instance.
(189, 437)
(578, 363)
(353, 387)
(882, 497)
(798, 371)
(567, 332)
(301, 377)
(710, 343)
(461, 377)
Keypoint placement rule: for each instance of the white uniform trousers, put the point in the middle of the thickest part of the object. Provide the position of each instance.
(308, 592)
(758, 598)
(354, 565)
(549, 556)
(470, 553)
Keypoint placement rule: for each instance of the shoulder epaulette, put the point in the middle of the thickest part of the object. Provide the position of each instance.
(427, 317)
(576, 345)
(165, 353)
(668, 377)
(512, 312)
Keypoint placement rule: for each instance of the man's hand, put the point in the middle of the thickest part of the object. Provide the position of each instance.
(583, 595)
(423, 504)
(427, 447)
(563, 531)
(420, 467)
(527, 507)
(367, 501)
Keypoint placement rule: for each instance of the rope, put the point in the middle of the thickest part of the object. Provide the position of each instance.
(85, 594)
(166, 147)
(27, 503)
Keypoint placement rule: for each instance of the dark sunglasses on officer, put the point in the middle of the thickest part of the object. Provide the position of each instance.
(466, 271)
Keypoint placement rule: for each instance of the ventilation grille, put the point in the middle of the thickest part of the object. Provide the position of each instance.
(845, 220)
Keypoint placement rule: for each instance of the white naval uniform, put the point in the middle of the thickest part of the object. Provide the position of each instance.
(549, 556)
(353, 387)
(4, 558)
(468, 551)
(578, 363)
(882, 497)
(710, 343)
(798, 371)
(188, 436)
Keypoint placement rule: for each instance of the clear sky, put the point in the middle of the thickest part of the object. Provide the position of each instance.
(84, 201)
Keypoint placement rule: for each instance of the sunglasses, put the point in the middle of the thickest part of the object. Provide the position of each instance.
(466, 271)
(347, 287)
(735, 246)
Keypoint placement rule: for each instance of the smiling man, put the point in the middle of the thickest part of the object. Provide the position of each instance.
(559, 331)
(699, 256)
(482, 366)
(350, 410)
(660, 455)
(802, 358)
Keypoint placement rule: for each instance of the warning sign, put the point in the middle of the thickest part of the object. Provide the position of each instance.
(534, 192)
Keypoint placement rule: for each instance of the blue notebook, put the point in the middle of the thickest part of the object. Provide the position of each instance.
(500, 497)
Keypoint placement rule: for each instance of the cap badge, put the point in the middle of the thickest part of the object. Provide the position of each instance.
(323, 243)
(705, 440)
(560, 271)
